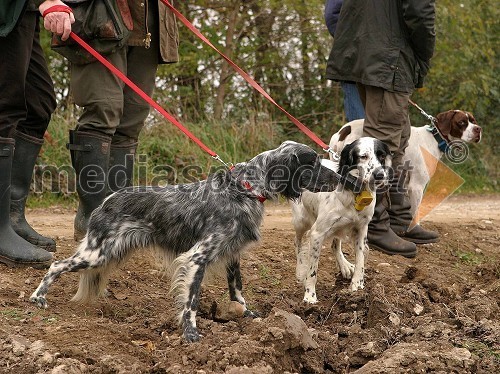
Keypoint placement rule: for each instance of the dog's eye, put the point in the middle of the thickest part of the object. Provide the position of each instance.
(364, 157)
(461, 123)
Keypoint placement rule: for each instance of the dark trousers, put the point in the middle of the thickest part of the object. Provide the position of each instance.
(386, 119)
(109, 107)
(27, 98)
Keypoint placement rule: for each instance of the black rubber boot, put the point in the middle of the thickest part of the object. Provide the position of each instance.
(90, 159)
(25, 154)
(400, 214)
(382, 238)
(14, 250)
(121, 167)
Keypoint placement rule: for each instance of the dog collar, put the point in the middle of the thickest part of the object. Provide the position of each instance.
(442, 141)
(249, 188)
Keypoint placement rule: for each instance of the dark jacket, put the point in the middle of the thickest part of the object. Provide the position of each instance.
(383, 43)
(332, 13)
(11, 10)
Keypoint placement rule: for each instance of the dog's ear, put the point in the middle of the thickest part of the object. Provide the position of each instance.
(347, 158)
(444, 121)
(471, 118)
(303, 158)
(383, 153)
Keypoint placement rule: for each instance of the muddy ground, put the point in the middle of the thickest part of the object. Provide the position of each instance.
(436, 313)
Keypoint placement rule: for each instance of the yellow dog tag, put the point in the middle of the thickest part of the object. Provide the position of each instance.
(362, 200)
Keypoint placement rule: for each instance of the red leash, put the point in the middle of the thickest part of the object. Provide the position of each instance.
(250, 80)
(142, 94)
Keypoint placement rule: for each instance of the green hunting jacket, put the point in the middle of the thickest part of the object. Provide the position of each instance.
(11, 10)
(383, 43)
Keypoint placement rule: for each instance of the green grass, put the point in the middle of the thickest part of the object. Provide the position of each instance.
(482, 350)
(469, 258)
(16, 314)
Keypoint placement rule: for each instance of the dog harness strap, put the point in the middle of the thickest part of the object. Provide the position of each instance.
(247, 185)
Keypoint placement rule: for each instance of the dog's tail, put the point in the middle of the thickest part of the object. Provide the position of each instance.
(182, 278)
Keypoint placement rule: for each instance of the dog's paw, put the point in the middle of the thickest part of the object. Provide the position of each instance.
(347, 269)
(250, 314)
(40, 301)
(358, 284)
(310, 297)
(191, 334)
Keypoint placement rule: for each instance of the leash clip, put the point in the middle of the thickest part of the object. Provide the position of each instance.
(228, 165)
(335, 155)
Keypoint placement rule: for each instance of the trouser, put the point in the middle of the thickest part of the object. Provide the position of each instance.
(386, 119)
(110, 108)
(27, 98)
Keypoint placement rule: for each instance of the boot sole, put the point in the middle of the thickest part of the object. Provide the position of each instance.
(14, 264)
(420, 241)
(405, 254)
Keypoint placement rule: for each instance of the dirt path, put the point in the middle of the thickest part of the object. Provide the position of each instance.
(438, 312)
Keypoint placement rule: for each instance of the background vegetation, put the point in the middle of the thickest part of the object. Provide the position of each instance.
(284, 45)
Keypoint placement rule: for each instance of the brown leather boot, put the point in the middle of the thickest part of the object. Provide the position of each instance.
(382, 238)
(400, 214)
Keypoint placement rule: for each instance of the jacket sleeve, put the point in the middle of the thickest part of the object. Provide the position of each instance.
(332, 13)
(419, 17)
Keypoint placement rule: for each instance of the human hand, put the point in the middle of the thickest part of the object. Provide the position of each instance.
(57, 17)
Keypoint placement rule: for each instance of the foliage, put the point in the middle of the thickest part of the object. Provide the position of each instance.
(285, 45)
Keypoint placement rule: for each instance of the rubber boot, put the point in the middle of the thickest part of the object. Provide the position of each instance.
(400, 214)
(14, 250)
(90, 159)
(380, 235)
(25, 154)
(121, 167)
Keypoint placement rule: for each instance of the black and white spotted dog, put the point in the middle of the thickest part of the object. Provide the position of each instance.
(329, 215)
(192, 226)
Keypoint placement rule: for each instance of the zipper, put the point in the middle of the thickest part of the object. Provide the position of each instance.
(147, 40)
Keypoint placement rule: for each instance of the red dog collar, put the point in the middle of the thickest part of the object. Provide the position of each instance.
(247, 185)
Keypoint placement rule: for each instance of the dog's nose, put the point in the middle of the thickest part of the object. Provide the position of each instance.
(380, 174)
(477, 129)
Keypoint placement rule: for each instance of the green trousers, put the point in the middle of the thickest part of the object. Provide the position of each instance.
(109, 107)
(386, 119)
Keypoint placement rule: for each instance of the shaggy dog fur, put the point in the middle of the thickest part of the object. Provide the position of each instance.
(193, 226)
(329, 215)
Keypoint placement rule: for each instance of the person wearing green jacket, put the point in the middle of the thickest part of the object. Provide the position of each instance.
(105, 139)
(385, 46)
(27, 102)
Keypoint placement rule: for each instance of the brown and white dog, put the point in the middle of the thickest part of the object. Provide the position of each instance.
(453, 125)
